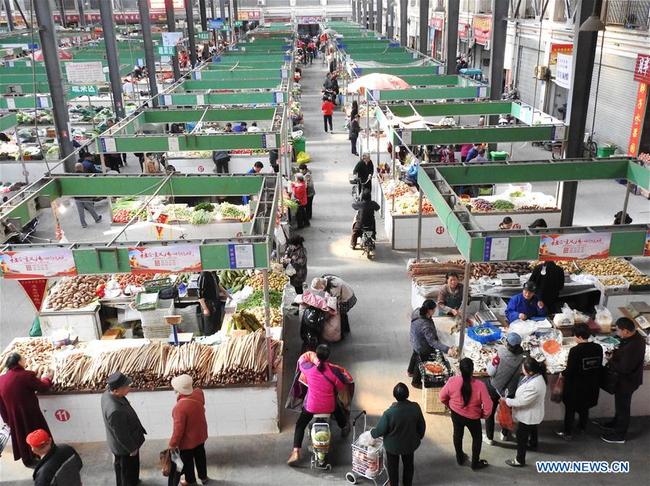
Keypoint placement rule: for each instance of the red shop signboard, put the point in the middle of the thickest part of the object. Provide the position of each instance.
(642, 68)
(637, 120)
(438, 23)
(482, 26)
(463, 31)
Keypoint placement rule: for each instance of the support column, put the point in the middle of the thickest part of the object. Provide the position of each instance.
(149, 59)
(584, 54)
(390, 19)
(235, 11)
(222, 10)
(171, 27)
(9, 14)
(498, 47)
(204, 15)
(354, 10)
(191, 34)
(403, 25)
(423, 43)
(82, 13)
(380, 17)
(64, 21)
(213, 12)
(453, 12)
(371, 14)
(50, 46)
(108, 26)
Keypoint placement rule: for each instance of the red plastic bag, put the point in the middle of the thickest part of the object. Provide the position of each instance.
(504, 415)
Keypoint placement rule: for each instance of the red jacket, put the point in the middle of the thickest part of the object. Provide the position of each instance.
(327, 108)
(299, 190)
(479, 405)
(190, 425)
(19, 407)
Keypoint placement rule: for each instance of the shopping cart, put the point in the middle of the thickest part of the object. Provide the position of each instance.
(320, 442)
(367, 462)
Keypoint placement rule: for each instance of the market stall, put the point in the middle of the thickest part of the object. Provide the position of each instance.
(111, 290)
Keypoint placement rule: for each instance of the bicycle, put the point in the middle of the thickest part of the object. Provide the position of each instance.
(590, 146)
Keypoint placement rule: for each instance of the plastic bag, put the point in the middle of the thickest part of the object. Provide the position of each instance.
(289, 270)
(366, 440)
(565, 318)
(504, 416)
(603, 316)
(557, 390)
(303, 158)
(176, 459)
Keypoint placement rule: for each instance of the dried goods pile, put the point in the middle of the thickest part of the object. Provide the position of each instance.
(74, 292)
(241, 359)
(432, 272)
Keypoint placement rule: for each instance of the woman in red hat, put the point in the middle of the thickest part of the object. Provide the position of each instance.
(19, 405)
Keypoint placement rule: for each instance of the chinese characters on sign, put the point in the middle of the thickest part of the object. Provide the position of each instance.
(84, 90)
(563, 70)
(637, 120)
(163, 259)
(642, 68)
(578, 246)
(55, 262)
(438, 23)
(559, 49)
(35, 290)
(463, 31)
(482, 26)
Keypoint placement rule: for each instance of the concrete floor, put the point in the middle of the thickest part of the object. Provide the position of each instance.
(376, 353)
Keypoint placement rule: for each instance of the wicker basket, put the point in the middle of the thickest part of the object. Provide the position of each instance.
(431, 400)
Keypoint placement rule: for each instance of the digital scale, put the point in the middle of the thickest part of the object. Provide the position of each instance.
(509, 279)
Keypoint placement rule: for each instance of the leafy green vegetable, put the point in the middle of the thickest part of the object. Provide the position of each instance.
(200, 217)
(257, 299)
(204, 206)
(503, 205)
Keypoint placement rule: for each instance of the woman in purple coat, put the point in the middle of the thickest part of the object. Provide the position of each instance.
(19, 405)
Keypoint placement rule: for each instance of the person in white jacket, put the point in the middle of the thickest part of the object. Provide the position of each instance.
(528, 408)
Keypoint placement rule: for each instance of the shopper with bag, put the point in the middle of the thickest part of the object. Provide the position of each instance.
(295, 262)
(528, 408)
(469, 402)
(323, 386)
(402, 426)
(625, 374)
(190, 431)
(19, 405)
(504, 371)
(580, 380)
(124, 431)
(344, 293)
(424, 340)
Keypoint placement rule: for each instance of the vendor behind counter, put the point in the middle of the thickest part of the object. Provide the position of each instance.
(549, 280)
(525, 305)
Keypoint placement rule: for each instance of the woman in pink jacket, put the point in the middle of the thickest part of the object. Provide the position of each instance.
(469, 401)
(322, 388)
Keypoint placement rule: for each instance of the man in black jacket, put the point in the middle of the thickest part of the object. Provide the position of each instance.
(549, 279)
(124, 431)
(59, 465)
(627, 361)
(364, 171)
(581, 380)
(353, 133)
(365, 219)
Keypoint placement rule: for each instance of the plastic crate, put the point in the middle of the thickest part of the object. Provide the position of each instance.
(153, 321)
(430, 380)
(431, 400)
(619, 288)
(494, 336)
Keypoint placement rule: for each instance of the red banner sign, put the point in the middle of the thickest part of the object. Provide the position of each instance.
(437, 23)
(642, 68)
(463, 31)
(482, 26)
(35, 290)
(637, 120)
(559, 49)
(248, 15)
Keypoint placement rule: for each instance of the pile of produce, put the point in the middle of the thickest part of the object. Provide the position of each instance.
(233, 280)
(492, 269)
(393, 189)
(613, 281)
(242, 320)
(481, 206)
(502, 205)
(37, 353)
(126, 279)
(409, 204)
(232, 211)
(607, 267)
(201, 217)
(151, 365)
(257, 300)
(277, 281)
(432, 272)
(276, 315)
(74, 292)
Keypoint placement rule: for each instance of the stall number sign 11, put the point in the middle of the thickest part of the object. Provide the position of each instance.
(166, 50)
(85, 90)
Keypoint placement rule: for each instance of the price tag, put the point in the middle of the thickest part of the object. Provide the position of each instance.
(172, 143)
(496, 249)
(167, 100)
(279, 97)
(200, 99)
(197, 75)
(406, 137)
(241, 256)
(108, 145)
(43, 102)
(11, 103)
(269, 140)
